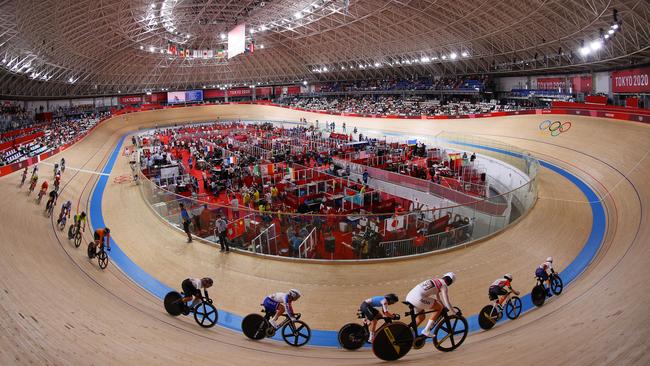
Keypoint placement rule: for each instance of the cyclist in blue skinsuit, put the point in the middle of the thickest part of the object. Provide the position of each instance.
(276, 304)
(369, 310)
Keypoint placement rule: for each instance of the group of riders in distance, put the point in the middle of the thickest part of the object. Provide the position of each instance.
(446, 326)
(101, 236)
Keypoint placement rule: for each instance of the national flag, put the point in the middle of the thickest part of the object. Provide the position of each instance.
(171, 48)
(196, 53)
(181, 52)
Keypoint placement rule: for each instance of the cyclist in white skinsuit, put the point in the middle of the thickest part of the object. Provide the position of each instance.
(431, 294)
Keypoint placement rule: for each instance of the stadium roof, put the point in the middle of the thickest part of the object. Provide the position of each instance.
(92, 47)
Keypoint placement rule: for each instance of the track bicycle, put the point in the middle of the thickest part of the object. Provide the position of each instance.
(491, 314)
(540, 292)
(353, 336)
(205, 313)
(294, 332)
(74, 232)
(394, 340)
(102, 257)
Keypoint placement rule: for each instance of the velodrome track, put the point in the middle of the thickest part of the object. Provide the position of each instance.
(57, 307)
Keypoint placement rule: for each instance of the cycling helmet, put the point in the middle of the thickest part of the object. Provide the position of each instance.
(391, 298)
(549, 259)
(295, 294)
(83, 214)
(68, 204)
(107, 230)
(207, 281)
(451, 276)
(508, 276)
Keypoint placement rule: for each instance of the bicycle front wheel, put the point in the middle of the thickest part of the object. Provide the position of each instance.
(513, 308)
(296, 334)
(450, 333)
(205, 315)
(556, 284)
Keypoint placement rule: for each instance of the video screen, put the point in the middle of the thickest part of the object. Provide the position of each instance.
(175, 97)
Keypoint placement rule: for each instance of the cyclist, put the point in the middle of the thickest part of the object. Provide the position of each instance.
(57, 181)
(62, 165)
(44, 187)
(34, 170)
(422, 298)
(100, 235)
(56, 169)
(54, 194)
(541, 273)
(276, 304)
(192, 290)
(33, 181)
(79, 223)
(22, 181)
(369, 310)
(65, 211)
(497, 291)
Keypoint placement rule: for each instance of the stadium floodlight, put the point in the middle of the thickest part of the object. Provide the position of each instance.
(262, 46)
(152, 49)
(304, 82)
(584, 51)
(464, 54)
(615, 26)
(453, 56)
(377, 64)
(324, 69)
(298, 15)
(444, 57)
(222, 36)
(596, 45)
(425, 59)
(611, 31)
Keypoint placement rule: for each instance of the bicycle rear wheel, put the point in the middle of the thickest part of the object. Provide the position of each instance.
(254, 326)
(449, 334)
(353, 336)
(172, 303)
(538, 295)
(393, 341)
(487, 318)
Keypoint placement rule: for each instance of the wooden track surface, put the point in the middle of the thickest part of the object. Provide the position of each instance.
(57, 307)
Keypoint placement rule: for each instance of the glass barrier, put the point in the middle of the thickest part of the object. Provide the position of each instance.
(348, 231)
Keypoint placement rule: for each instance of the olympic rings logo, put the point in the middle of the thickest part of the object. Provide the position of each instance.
(555, 127)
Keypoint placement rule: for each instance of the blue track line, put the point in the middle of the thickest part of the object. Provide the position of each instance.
(328, 338)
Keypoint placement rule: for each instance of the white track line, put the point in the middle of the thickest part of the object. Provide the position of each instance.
(79, 170)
